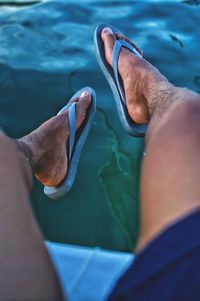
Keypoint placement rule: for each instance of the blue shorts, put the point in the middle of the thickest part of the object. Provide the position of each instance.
(168, 269)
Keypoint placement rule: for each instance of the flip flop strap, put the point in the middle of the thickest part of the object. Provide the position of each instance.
(72, 127)
(115, 60)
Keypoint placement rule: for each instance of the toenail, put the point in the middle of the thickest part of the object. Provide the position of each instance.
(107, 30)
(83, 94)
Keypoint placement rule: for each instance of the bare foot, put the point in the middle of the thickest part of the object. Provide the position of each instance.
(144, 85)
(46, 147)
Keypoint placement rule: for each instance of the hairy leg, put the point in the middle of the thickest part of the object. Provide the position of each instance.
(171, 168)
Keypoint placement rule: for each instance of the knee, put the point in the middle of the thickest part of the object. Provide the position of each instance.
(180, 123)
(5, 142)
(3, 136)
(188, 110)
(186, 117)
(183, 119)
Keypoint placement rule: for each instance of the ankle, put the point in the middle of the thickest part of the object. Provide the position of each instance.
(25, 155)
(31, 146)
(160, 96)
(25, 148)
(163, 95)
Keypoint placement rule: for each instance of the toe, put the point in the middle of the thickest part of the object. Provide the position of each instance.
(109, 41)
(119, 36)
(73, 100)
(83, 103)
(82, 106)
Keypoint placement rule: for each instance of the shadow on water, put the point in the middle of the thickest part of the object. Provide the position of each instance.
(46, 55)
(119, 178)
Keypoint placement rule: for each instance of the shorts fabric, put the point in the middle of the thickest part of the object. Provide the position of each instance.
(168, 269)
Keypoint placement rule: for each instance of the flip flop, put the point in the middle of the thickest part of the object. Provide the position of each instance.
(115, 81)
(75, 143)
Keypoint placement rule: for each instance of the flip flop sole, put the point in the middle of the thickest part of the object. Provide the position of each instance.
(128, 124)
(57, 192)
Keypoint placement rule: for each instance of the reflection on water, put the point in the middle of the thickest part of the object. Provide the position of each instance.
(46, 55)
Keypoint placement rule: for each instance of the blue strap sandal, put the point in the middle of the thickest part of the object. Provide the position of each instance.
(115, 81)
(75, 143)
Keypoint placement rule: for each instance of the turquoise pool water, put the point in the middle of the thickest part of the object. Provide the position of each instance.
(46, 55)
